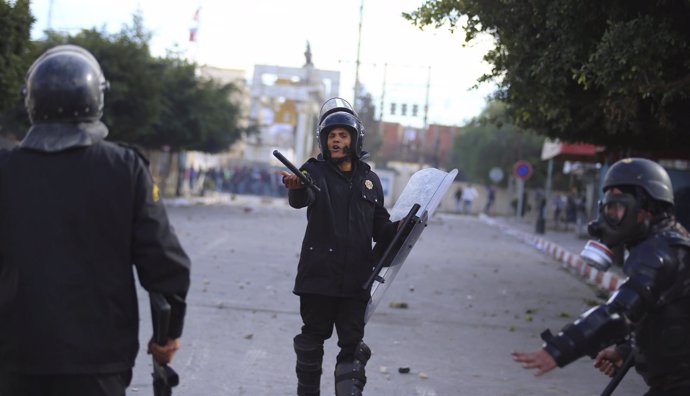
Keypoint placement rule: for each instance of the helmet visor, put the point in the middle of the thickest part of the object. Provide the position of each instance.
(616, 206)
(335, 104)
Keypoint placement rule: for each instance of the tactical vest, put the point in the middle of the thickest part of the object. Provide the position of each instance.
(662, 339)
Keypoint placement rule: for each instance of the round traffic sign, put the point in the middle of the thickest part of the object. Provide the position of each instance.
(496, 174)
(522, 170)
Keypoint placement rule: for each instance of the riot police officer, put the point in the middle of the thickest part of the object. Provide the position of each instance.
(77, 215)
(336, 257)
(649, 315)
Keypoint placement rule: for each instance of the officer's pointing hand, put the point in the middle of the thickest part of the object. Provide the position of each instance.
(291, 181)
(164, 353)
(539, 359)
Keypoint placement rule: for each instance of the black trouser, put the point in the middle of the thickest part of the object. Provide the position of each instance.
(15, 384)
(321, 313)
(674, 392)
(680, 389)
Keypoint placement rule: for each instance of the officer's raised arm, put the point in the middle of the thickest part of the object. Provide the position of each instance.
(647, 317)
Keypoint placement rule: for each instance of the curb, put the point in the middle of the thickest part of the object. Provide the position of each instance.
(226, 199)
(570, 261)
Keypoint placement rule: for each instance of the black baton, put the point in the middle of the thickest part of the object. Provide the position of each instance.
(402, 229)
(306, 180)
(164, 377)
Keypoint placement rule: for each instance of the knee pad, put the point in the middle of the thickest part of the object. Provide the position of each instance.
(308, 368)
(309, 353)
(307, 346)
(350, 377)
(362, 353)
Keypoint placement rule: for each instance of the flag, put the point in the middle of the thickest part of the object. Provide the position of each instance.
(193, 30)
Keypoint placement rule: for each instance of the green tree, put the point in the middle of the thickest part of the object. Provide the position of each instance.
(197, 114)
(15, 28)
(156, 102)
(610, 73)
(372, 126)
(491, 140)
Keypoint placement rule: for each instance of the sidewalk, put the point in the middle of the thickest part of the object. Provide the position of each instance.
(564, 246)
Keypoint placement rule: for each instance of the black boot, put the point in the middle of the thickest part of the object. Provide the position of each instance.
(350, 376)
(308, 368)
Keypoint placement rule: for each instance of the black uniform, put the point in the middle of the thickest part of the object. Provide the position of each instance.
(72, 225)
(336, 258)
(649, 315)
(653, 305)
(77, 214)
(335, 262)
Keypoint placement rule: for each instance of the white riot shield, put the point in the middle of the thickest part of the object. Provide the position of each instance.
(425, 188)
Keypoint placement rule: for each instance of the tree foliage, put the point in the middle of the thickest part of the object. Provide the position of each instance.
(372, 126)
(492, 141)
(195, 113)
(15, 26)
(152, 102)
(613, 73)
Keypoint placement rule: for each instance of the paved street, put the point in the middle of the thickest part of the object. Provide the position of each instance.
(473, 295)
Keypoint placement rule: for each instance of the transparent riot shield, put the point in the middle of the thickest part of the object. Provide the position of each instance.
(426, 188)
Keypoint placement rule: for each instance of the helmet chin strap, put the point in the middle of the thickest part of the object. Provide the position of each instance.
(345, 158)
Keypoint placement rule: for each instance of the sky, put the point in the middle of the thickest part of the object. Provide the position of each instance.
(240, 34)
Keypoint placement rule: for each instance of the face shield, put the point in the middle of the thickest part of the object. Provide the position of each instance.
(335, 104)
(616, 225)
(616, 206)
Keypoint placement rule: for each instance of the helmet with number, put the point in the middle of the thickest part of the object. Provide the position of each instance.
(337, 112)
(632, 185)
(65, 84)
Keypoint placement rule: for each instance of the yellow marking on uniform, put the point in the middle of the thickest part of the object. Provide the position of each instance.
(155, 193)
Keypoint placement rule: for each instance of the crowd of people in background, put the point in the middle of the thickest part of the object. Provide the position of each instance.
(245, 179)
(568, 209)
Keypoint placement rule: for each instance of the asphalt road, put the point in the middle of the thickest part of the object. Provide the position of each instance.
(473, 295)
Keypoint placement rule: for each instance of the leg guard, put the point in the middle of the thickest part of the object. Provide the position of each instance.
(350, 377)
(309, 359)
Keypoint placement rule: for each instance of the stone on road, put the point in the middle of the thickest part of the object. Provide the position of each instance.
(472, 295)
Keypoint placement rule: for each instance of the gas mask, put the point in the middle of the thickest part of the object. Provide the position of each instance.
(616, 225)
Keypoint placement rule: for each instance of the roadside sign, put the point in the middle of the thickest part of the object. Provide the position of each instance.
(496, 174)
(522, 170)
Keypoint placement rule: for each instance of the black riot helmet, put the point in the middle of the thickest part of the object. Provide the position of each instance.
(631, 185)
(337, 112)
(65, 84)
(344, 120)
(646, 174)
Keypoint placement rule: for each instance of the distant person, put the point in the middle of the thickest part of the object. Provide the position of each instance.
(558, 209)
(648, 318)
(571, 207)
(458, 199)
(337, 256)
(469, 193)
(78, 216)
(490, 198)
